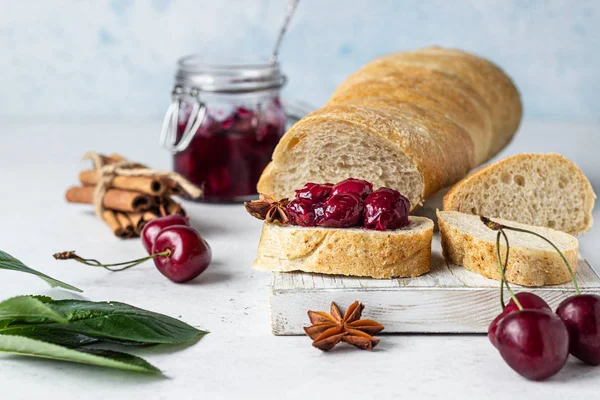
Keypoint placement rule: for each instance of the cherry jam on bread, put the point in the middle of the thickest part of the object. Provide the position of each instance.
(348, 204)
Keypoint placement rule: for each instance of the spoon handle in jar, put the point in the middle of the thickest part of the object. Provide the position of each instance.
(288, 17)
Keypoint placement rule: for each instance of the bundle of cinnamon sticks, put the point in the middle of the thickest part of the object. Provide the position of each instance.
(130, 201)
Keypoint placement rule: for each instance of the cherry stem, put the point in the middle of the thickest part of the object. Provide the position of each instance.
(70, 255)
(502, 270)
(573, 279)
(496, 226)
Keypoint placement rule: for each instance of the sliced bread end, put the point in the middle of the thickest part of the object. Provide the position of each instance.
(468, 242)
(536, 189)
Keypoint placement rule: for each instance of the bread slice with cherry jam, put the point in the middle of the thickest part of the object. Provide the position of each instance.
(402, 252)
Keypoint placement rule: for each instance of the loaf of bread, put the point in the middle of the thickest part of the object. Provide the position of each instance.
(404, 252)
(468, 242)
(416, 122)
(536, 189)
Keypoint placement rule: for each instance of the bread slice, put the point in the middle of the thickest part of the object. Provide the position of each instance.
(536, 189)
(468, 242)
(402, 252)
(405, 148)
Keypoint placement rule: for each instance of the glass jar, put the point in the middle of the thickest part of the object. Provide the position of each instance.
(223, 125)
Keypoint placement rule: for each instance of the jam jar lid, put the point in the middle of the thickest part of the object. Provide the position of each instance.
(229, 77)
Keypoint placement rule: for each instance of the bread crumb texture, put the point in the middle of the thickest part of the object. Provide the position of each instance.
(537, 189)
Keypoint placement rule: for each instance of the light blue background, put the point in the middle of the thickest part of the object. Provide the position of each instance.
(115, 59)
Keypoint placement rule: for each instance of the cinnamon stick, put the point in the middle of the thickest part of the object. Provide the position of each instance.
(114, 158)
(111, 159)
(168, 206)
(174, 188)
(136, 219)
(139, 220)
(125, 224)
(115, 199)
(112, 220)
(146, 184)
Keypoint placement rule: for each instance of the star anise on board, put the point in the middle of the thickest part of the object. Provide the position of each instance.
(327, 330)
(267, 208)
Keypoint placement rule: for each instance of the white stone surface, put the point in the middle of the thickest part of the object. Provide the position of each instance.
(240, 358)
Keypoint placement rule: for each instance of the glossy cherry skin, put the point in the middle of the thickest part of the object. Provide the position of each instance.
(581, 314)
(153, 228)
(528, 300)
(314, 191)
(359, 187)
(301, 212)
(534, 343)
(341, 211)
(190, 254)
(386, 209)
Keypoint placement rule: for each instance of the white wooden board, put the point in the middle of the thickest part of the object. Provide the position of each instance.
(449, 299)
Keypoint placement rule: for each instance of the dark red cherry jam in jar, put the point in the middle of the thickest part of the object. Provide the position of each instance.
(223, 125)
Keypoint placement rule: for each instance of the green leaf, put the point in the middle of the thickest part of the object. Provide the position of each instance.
(117, 322)
(29, 309)
(67, 339)
(56, 336)
(9, 262)
(103, 358)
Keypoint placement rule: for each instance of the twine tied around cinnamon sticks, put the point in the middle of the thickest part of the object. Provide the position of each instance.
(127, 195)
(107, 172)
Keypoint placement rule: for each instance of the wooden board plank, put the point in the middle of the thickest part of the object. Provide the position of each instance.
(449, 299)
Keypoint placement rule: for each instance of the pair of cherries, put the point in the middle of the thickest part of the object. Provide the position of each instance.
(536, 342)
(185, 255)
(177, 249)
(349, 203)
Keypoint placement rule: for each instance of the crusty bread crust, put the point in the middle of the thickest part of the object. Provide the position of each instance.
(404, 252)
(531, 261)
(433, 91)
(536, 189)
(442, 111)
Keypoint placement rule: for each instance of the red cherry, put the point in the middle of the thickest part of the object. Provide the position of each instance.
(209, 127)
(359, 187)
(243, 112)
(218, 181)
(529, 301)
(228, 122)
(153, 228)
(264, 132)
(190, 254)
(314, 191)
(581, 314)
(242, 120)
(386, 209)
(534, 343)
(301, 212)
(341, 211)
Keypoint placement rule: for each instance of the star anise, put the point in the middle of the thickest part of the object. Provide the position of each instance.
(267, 208)
(327, 330)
